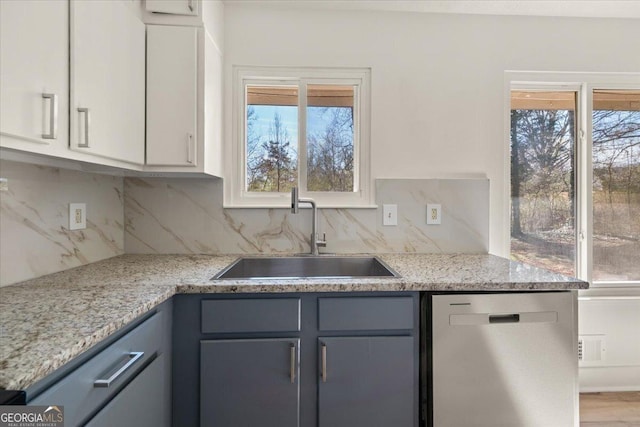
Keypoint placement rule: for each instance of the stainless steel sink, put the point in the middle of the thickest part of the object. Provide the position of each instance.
(307, 267)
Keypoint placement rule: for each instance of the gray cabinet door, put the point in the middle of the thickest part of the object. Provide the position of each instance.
(250, 382)
(142, 403)
(366, 381)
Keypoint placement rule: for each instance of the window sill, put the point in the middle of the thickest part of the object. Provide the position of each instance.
(302, 206)
(602, 292)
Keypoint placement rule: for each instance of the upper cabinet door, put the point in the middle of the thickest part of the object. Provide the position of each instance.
(107, 80)
(34, 75)
(174, 7)
(172, 97)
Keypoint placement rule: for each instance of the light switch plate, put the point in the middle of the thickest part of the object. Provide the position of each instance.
(389, 214)
(77, 216)
(434, 214)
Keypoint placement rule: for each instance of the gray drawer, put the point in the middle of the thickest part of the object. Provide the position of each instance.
(251, 315)
(365, 313)
(77, 391)
(142, 403)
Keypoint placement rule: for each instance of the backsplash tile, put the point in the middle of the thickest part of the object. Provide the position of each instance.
(34, 220)
(465, 214)
(173, 215)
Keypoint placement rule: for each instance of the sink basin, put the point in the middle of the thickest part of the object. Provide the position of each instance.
(307, 267)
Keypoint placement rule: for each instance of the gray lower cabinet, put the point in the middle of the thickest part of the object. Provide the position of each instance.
(142, 403)
(123, 381)
(366, 381)
(250, 382)
(258, 360)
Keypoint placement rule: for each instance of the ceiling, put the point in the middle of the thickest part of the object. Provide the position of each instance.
(575, 8)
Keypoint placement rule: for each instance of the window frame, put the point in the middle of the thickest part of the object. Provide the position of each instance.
(236, 194)
(584, 84)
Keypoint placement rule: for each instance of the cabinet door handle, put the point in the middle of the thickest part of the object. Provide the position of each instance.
(190, 5)
(189, 148)
(324, 363)
(53, 116)
(132, 357)
(87, 121)
(293, 363)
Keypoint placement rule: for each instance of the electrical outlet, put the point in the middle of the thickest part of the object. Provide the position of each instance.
(77, 216)
(389, 214)
(434, 214)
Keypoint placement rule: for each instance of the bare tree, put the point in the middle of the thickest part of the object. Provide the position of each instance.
(616, 143)
(253, 152)
(542, 168)
(330, 153)
(274, 170)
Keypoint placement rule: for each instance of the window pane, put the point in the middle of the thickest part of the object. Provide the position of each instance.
(330, 138)
(271, 138)
(543, 179)
(616, 185)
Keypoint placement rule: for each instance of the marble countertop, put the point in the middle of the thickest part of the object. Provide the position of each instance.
(46, 322)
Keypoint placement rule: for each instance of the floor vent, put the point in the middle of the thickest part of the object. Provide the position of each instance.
(591, 348)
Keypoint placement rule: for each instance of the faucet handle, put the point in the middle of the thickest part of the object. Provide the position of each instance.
(322, 243)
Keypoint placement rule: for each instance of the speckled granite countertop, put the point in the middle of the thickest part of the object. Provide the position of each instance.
(46, 322)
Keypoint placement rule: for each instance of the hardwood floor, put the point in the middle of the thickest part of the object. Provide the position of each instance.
(610, 409)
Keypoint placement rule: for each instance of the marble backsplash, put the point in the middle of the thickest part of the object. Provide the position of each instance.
(34, 220)
(185, 216)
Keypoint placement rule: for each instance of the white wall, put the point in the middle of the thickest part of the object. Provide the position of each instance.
(437, 79)
(437, 100)
(614, 318)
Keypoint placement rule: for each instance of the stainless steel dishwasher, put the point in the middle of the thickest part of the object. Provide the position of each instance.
(502, 360)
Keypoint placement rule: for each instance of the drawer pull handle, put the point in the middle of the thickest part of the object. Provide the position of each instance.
(133, 357)
(293, 363)
(324, 363)
(53, 116)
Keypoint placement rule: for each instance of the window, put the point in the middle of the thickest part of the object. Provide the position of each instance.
(616, 186)
(575, 177)
(305, 128)
(543, 182)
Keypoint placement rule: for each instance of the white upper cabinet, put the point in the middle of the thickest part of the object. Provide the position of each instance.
(184, 101)
(34, 76)
(75, 83)
(174, 12)
(172, 95)
(173, 7)
(107, 80)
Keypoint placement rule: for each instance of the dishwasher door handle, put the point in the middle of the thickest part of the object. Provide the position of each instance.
(504, 318)
(470, 319)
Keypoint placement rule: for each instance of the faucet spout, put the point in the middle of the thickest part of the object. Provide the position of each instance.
(295, 201)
